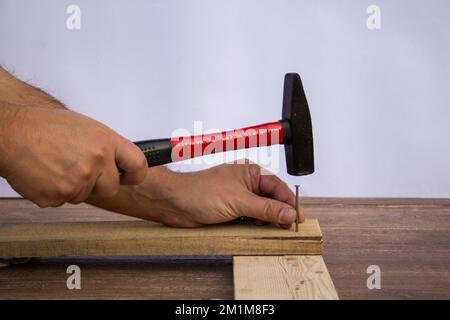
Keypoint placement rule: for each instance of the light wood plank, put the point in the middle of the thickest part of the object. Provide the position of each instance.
(136, 238)
(282, 277)
(357, 233)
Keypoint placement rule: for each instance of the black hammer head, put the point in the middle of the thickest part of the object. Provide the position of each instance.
(299, 138)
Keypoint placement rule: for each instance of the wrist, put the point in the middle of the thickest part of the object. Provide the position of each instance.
(158, 193)
(151, 200)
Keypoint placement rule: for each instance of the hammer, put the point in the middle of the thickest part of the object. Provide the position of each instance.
(294, 130)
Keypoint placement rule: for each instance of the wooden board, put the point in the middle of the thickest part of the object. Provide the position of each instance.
(282, 277)
(136, 238)
(408, 238)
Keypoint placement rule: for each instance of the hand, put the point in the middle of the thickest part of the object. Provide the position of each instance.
(215, 195)
(53, 156)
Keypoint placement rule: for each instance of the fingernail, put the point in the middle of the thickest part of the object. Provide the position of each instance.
(287, 215)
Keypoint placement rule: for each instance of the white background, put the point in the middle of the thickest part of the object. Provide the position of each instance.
(379, 99)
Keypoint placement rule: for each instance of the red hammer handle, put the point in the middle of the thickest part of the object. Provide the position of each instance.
(255, 136)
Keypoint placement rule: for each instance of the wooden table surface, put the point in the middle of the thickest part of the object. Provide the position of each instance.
(409, 239)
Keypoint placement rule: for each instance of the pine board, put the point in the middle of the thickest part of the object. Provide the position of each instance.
(143, 238)
(282, 277)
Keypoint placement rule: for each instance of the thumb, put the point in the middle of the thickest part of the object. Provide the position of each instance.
(269, 210)
(132, 161)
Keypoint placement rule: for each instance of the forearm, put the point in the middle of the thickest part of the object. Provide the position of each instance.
(8, 114)
(15, 92)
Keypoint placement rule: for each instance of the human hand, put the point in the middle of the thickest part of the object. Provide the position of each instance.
(215, 195)
(53, 156)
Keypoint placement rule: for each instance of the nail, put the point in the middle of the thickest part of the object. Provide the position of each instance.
(297, 207)
(287, 215)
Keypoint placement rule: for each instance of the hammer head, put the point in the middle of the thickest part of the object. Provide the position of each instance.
(299, 145)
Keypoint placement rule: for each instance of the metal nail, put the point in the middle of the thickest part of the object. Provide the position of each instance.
(297, 207)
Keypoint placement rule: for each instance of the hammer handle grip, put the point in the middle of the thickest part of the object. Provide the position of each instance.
(157, 152)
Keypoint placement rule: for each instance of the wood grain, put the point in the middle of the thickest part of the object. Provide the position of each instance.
(282, 278)
(137, 238)
(408, 238)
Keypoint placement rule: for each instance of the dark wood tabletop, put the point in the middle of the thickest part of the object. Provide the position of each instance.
(409, 239)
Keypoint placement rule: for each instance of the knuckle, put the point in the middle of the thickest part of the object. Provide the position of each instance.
(268, 210)
(66, 190)
(98, 154)
(84, 172)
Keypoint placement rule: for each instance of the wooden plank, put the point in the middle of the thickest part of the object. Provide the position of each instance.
(408, 238)
(136, 238)
(282, 277)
